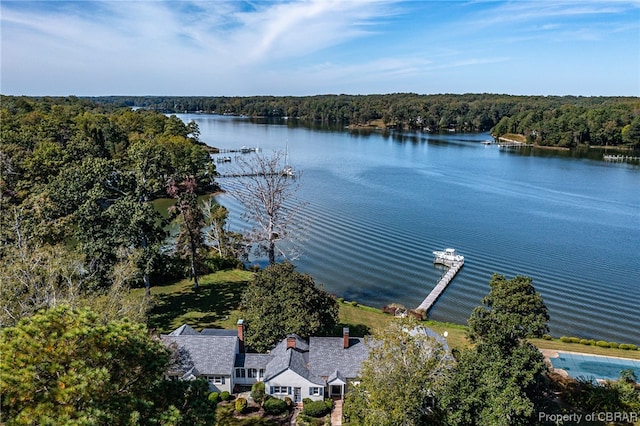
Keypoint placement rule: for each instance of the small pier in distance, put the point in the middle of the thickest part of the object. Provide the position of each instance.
(454, 261)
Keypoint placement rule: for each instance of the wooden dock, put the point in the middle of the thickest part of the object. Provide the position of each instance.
(620, 158)
(514, 145)
(430, 300)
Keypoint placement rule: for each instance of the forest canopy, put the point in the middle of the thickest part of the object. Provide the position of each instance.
(566, 121)
(76, 181)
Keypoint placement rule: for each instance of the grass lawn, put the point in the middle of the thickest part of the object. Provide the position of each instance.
(215, 305)
(362, 320)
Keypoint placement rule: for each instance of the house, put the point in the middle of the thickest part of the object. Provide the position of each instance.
(295, 368)
(209, 354)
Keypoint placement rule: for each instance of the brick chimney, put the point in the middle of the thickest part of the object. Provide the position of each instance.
(241, 335)
(291, 342)
(345, 337)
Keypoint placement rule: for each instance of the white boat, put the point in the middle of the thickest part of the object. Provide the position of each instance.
(486, 142)
(447, 256)
(288, 171)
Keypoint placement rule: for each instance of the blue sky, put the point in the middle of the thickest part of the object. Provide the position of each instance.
(296, 47)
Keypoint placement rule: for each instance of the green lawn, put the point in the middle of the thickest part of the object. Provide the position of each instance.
(213, 305)
(216, 305)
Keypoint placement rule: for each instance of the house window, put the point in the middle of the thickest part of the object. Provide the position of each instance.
(280, 390)
(240, 372)
(261, 374)
(252, 373)
(315, 391)
(215, 380)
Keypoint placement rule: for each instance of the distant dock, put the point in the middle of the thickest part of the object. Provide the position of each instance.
(454, 261)
(513, 144)
(620, 158)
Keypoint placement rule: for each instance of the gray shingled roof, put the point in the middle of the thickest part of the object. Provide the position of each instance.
(218, 332)
(296, 360)
(336, 375)
(184, 329)
(251, 360)
(209, 355)
(327, 354)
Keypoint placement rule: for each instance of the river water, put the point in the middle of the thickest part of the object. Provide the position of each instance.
(380, 203)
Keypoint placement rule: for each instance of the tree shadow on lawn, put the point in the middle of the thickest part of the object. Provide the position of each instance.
(355, 330)
(201, 308)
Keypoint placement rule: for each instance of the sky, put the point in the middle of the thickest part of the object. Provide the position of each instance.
(311, 47)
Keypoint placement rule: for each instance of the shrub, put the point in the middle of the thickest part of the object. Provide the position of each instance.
(288, 401)
(602, 344)
(340, 299)
(225, 396)
(584, 341)
(547, 337)
(613, 345)
(565, 339)
(354, 303)
(257, 392)
(306, 400)
(241, 405)
(274, 406)
(574, 340)
(217, 263)
(592, 342)
(628, 375)
(214, 397)
(329, 404)
(315, 409)
(627, 346)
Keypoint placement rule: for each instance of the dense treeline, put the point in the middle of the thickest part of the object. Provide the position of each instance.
(566, 121)
(76, 181)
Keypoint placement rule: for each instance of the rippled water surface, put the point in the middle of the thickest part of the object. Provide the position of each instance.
(380, 204)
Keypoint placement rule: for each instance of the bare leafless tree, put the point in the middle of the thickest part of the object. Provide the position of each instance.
(266, 187)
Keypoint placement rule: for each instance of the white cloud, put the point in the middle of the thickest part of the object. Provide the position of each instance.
(282, 47)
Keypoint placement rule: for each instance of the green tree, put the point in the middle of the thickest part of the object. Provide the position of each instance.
(493, 387)
(631, 133)
(225, 243)
(279, 301)
(65, 366)
(401, 379)
(512, 311)
(138, 228)
(190, 240)
(37, 276)
(502, 379)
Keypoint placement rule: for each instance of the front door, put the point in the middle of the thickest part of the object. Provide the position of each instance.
(336, 390)
(297, 395)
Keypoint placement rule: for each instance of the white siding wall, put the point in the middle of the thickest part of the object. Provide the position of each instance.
(246, 380)
(226, 385)
(292, 380)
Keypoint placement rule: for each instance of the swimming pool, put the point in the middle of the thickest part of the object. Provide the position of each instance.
(598, 367)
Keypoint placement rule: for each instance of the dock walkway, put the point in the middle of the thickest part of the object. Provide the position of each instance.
(454, 267)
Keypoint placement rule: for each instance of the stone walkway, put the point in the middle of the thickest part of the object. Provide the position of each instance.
(336, 413)
(294, 416)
